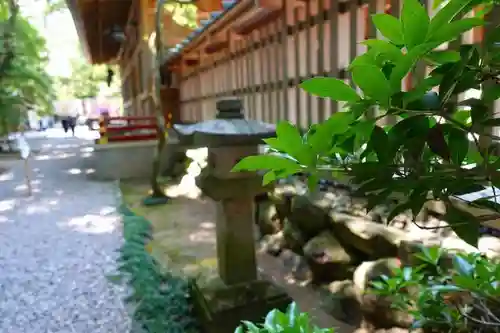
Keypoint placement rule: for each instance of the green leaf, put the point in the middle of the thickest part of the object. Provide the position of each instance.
(414, 22)
(454, 29)
(290, 141)
(363, 131)
(491, 93)
(463, 223)
(389, 27)
(462, 116)
(359, 108)
(251, 327)
(407, 63)
(367, 58)
(312, 182)
(431, 254)
(421, 89)
(449, 82)
(265, 162)
(418, 198)
(292, 312)
(321, 140)
(268, 177)
(462, 266)
(465, 282)
(479, 110)
(447, 14)
(442, 57)
(329, 87)
(379, 141)
(372, 82)
(382, 47)
(289, 134)
(458, 144)
(437, 142)
(271, 320)
(437, 3)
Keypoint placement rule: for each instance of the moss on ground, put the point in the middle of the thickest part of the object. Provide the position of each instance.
(183, 232)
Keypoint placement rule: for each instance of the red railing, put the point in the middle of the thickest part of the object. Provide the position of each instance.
(126, 128)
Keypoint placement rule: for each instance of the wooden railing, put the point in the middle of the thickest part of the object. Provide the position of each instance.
(126, 129)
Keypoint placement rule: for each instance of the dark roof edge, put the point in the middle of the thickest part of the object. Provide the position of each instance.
(199, 32)
(80, 30)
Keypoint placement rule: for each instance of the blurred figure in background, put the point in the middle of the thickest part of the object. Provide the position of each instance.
(69, 123)
(65, 124)
(72, 124)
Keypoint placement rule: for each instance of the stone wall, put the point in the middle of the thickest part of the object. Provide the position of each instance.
(329, 240)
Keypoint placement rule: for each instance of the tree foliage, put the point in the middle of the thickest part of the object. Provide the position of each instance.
(85, 80)
(431, 149)
(24, 83)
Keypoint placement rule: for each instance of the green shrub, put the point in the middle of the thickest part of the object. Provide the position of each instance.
(292, 321)
(417, 144)
(460, 299)
(160, 299)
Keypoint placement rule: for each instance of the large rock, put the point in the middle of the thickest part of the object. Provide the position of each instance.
(297, 267)
(490, 245)
(268, 219)
(377, 310)
(371, 270)
(449, 245)
(328, 259)
(273, 244)
(390, 330)
(294, 239)
(378, 313)
(309, 213)
(373, 239)
(281, 197)
(341, 300)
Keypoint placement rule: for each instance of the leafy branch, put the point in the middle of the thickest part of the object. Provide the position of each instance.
(422, 145)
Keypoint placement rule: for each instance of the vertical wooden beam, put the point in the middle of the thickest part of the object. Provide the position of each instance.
(493, 18)
(371, 33)
(270, 83)
(333, 14)
(321, 57)
(297, 45)
(421, 67)
(308, 60)
(252, 98)
(284, 57)
(276, 87)
(262, 70)
(353, 32)
(229, 70)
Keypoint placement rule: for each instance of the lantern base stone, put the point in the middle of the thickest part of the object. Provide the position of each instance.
(221, 309)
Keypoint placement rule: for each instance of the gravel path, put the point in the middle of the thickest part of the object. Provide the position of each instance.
(56, 247)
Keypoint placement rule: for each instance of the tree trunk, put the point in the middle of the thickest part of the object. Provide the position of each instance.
(160, 119)
(84, 107)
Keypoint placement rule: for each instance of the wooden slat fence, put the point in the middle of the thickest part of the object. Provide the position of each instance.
(265, 66)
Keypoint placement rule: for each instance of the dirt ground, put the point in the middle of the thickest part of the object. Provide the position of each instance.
(184, 240)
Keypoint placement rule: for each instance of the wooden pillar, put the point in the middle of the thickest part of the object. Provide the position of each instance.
(170, 101)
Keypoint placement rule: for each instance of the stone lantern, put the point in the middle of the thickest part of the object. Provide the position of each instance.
(230, 138)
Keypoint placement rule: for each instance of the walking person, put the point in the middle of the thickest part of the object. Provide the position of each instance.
(72, 124)
(65, 124)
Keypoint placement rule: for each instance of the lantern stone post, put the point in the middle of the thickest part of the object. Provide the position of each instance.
(230, 138)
